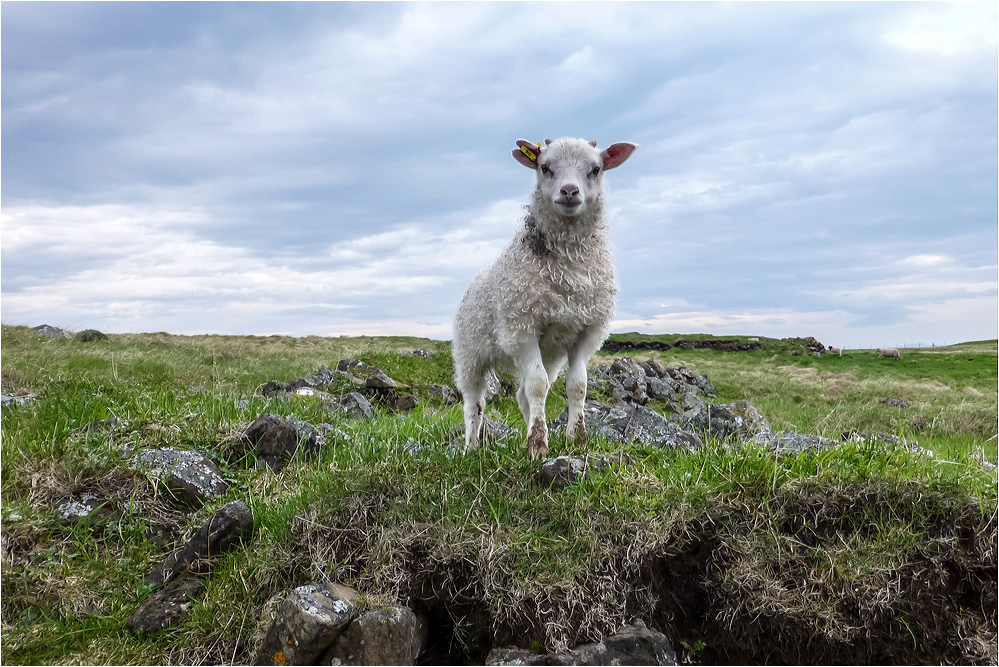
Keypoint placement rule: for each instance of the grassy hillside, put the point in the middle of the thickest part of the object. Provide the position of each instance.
(861, 553)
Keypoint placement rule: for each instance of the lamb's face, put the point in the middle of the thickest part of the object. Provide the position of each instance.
(570, 175)
(570, 171)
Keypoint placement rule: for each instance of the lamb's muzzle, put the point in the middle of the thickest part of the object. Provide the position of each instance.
(549, 297)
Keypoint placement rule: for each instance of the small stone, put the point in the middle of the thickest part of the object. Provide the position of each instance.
(227, 528)
(166, 607)
(561, 472)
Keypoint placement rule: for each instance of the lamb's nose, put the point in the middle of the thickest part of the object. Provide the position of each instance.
(569, 191)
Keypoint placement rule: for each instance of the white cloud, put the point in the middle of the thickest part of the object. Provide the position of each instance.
(947, 29)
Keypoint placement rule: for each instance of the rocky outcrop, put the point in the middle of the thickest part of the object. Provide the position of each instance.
(631, 423)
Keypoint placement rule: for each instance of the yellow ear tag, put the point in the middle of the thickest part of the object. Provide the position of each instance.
(526, 151)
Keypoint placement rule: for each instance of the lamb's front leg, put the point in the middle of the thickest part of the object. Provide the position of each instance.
(532, 395)
(575, 383)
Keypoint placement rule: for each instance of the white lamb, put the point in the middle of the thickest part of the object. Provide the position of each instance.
(548, 297)
(836, 350)
(890, 353)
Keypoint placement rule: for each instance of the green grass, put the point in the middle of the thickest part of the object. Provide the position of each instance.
(747, 545)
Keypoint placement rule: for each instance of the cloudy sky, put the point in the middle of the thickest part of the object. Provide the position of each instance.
(822, 169)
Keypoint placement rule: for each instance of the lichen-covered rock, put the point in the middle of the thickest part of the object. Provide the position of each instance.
(189, 475)
(166, 607)
(306, 624)
(393, 636)
(227, 528)
(87, 508)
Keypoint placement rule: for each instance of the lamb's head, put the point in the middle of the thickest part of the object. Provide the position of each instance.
(570, 171)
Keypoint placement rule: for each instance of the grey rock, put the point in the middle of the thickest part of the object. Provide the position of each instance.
(87, 508)
(189, 475)
(740, 420)
(394, 636)
(277, 440)
(307, 623)
(691, 404)
(423, 353)
(227, 528)
(631, 645)
(789, 442)
(863, 436)
(16, 399)
(166, 607)
(49, 331)
(660, 389)
(444, 393)
(631, 377)
(895, 402)
(561, 472)
(379, 380)
(350, 364)
(355, 405)
(400, 402)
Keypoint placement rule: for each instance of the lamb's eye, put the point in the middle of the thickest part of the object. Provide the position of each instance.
(596, 170)
(545, 169)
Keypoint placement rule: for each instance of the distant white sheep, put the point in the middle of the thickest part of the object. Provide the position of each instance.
(836, 350)
(890, 353)
(548, 297)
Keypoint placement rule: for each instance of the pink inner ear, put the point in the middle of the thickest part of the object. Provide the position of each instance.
(615, 154)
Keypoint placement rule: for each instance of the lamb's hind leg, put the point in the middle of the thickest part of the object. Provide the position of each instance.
(531, 396)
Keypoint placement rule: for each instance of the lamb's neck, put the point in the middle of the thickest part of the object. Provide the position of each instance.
(549, 232)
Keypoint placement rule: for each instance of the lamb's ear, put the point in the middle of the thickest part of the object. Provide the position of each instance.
(527, 153)
(615, 154)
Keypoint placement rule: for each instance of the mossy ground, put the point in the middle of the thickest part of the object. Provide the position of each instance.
(862, 553)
